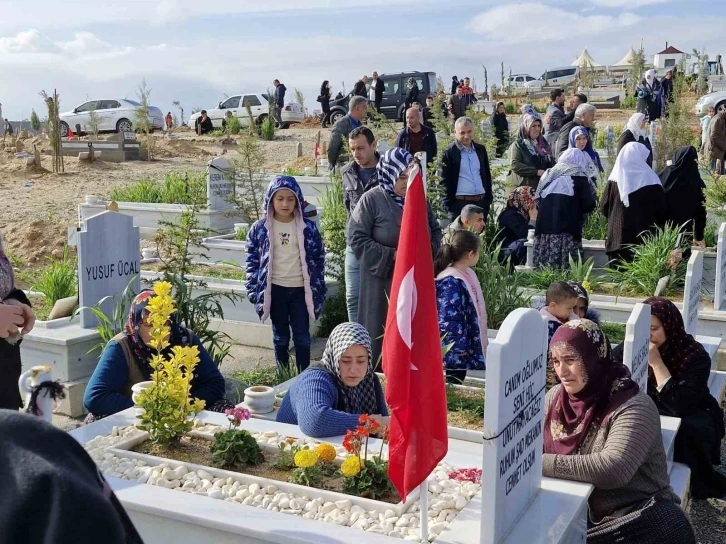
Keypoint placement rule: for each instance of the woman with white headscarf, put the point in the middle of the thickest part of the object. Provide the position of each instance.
(564, 198)
(650, 96)
(633, 201)
(328, 397)
(635, 132)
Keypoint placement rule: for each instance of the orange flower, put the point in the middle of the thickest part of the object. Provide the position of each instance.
(363, 418)
(373, 425)
(361, 431)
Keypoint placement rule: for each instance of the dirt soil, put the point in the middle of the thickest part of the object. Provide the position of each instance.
(197, 450)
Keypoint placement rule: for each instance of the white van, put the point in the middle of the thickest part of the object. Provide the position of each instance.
(555, 77)
(517, 81)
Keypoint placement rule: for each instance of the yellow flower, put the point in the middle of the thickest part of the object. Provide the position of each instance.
(586, 286)
(162, 288)
(351, 466)
(326, 452)
(305, 458)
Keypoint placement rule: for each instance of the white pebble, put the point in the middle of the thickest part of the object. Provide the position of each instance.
(216, 494)
(204, 475)
(435, 489)
(254, 488)
(357, 508)
(460, 502)
(295, 504)
(345, 504)
(328, 507)
(436, 528)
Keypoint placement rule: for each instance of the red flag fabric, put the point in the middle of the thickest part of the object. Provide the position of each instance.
(412, 359)
(317, 149)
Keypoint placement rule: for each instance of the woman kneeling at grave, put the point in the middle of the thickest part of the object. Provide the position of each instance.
(125, 361)
(678, 374)
(600, 429)
(328, 397)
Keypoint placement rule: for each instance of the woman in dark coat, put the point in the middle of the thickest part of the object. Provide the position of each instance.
(19, 320)
(633, 202)
(372, 233)
(678, 374)
(454, 84)
(683, 187)
(516, 219)
(563, 199)
(531, 154)
(635, 132)
(501, 129)
(412, 95)
(324, 100)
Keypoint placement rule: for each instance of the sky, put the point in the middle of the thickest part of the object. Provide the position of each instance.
(198, 52)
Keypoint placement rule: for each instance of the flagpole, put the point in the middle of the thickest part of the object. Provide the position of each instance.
(424, 508)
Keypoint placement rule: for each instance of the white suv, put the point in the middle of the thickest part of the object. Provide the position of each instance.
(113, 116)
(291, 113)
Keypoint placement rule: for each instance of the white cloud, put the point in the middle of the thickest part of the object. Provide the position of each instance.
(29, 41)
(630, 4)
(508, 24)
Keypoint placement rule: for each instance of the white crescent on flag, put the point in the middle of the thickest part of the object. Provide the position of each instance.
(406, 308)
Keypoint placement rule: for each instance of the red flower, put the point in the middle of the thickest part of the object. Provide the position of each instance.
(361, 431)
(373, 426)
(363, 418)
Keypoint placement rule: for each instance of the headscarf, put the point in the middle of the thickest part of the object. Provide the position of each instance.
(360, 399)
(650, 77)
(522, 200)
(575, 132)
(558, 179)
(392, 164)
(137, 313)
(633, 126)
(570, 418)
(581, 293)
(631, 171)
(679, 347)
(683, 172)
(540, 146)
(591, 169)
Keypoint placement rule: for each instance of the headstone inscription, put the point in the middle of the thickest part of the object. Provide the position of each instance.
(513, 420)
(108, 262)
(220, 189)
(718, 300)
(637, 344)
(692, 292)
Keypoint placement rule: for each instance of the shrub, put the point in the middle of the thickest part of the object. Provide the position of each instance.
(241, 234)
(614, 331)
(175, 188)
(267, 129)
(596, 226)
(630, 102)
(233, 125)
(269, 376)
(332, 228)
(58, 280)
(510, 108)
(710, 234)
(235, 447)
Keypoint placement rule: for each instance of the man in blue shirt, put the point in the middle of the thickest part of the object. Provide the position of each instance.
(465, 174)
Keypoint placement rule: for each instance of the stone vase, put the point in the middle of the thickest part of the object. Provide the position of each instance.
(260, 399)
(135, 390)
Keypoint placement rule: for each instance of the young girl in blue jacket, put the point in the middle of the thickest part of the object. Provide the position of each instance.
(286, 270)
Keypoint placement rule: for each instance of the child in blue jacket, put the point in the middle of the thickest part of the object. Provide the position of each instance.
(286, 270)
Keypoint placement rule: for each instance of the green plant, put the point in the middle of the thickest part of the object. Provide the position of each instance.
(58, 280)
(293, 172)
(614, 331)
(216, 133)
(652, 260)
(250, 180)
(372, 481)
(510, 108)
(93, 121)
(286, 456)
(596, 226)
(710, 235)
(701, 86)
(52, 102)
(34, 121)
(674, 128)
(458, 400)
(637, 69)
(715, 188)
(241, 234)
(600, 139)
(110, 326)
(267, 129)
(363, 476)
(269, 376)
(630, 102)
(142, 123)
(175, 188)
(307, 471)
(335, 312)
(233, 125)
(177, 104)
(332, 228)
(236, 448)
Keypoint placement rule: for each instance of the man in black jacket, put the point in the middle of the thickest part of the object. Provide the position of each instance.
(555, 115)
(575, 102)
(203, 124)
(416, 137)
(279, 101)
(465, 174)
(360, 87)
(375, 93)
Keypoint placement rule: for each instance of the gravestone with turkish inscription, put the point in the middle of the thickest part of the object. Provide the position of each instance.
(108, 262)
(718, 299)
(692, 292)
(513, 420)
(637, 343)
(220, 188)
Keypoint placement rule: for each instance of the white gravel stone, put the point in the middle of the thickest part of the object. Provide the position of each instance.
(356, 508)
(270, 490)
(345, 504)
(216, 494)
(254, 488)
(204, 475)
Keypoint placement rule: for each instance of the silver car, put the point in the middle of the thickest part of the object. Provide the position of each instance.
(715, 100)
(115, 115)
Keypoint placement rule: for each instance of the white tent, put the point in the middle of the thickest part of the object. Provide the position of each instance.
(586, 61)
(628, 59)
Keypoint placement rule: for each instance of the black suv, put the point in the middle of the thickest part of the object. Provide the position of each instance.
(394, 94)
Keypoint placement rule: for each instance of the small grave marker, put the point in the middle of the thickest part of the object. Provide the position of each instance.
(637, 343)
(220, 189)
(514, 414)
(108, 261)
(718, 300)
(692, 292)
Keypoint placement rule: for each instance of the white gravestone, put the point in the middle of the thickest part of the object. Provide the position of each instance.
(637, 343)
(514, 413)
(692, 292)
(220, 189)
(718, 299)
(108, 261)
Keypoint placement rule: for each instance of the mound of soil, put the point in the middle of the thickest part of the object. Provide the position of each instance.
(32, 241)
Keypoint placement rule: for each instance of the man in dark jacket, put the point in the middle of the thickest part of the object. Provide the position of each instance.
(584, 117)
(279, 101)
(358, 177)
(465, 174)
(416, 137)
(457, 106)
(575, 102)
(357, 110)
(360, 87)
(555, 115)
(203, 124)
(375, 93)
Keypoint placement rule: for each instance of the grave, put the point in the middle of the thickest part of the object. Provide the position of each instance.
(220, 189)
(692, 292)
(637, 343)
(719, 304)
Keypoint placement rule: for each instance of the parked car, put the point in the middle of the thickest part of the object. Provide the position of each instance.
(555, 77)
(517, 81)
(259, 105)
(394, 94)
(715, 100)
(113, 116)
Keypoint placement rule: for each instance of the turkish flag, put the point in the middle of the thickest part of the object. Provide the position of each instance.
(412, 359)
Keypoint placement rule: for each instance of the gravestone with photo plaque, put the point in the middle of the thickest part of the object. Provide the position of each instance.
(513, 420)
(220, 189)
(108, 262)
(719, 303)
(637, 344)
(692, 292)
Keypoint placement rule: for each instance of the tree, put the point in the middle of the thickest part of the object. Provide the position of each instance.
(34, 121)
(300, 98)
(637, 68)
(674, 130)
(177, 104)
(141, 118)
(52, 102)
(93, 121)
(702, 78)
(249, 179)
(486, 81)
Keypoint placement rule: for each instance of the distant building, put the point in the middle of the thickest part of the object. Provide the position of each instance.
(667, 59)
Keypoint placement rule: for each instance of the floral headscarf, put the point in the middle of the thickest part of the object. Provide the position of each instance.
(540, 146)
(570, 418)
(522, 200)
(137, 313)
(680, 347)
(362, 398)
(391, 165)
